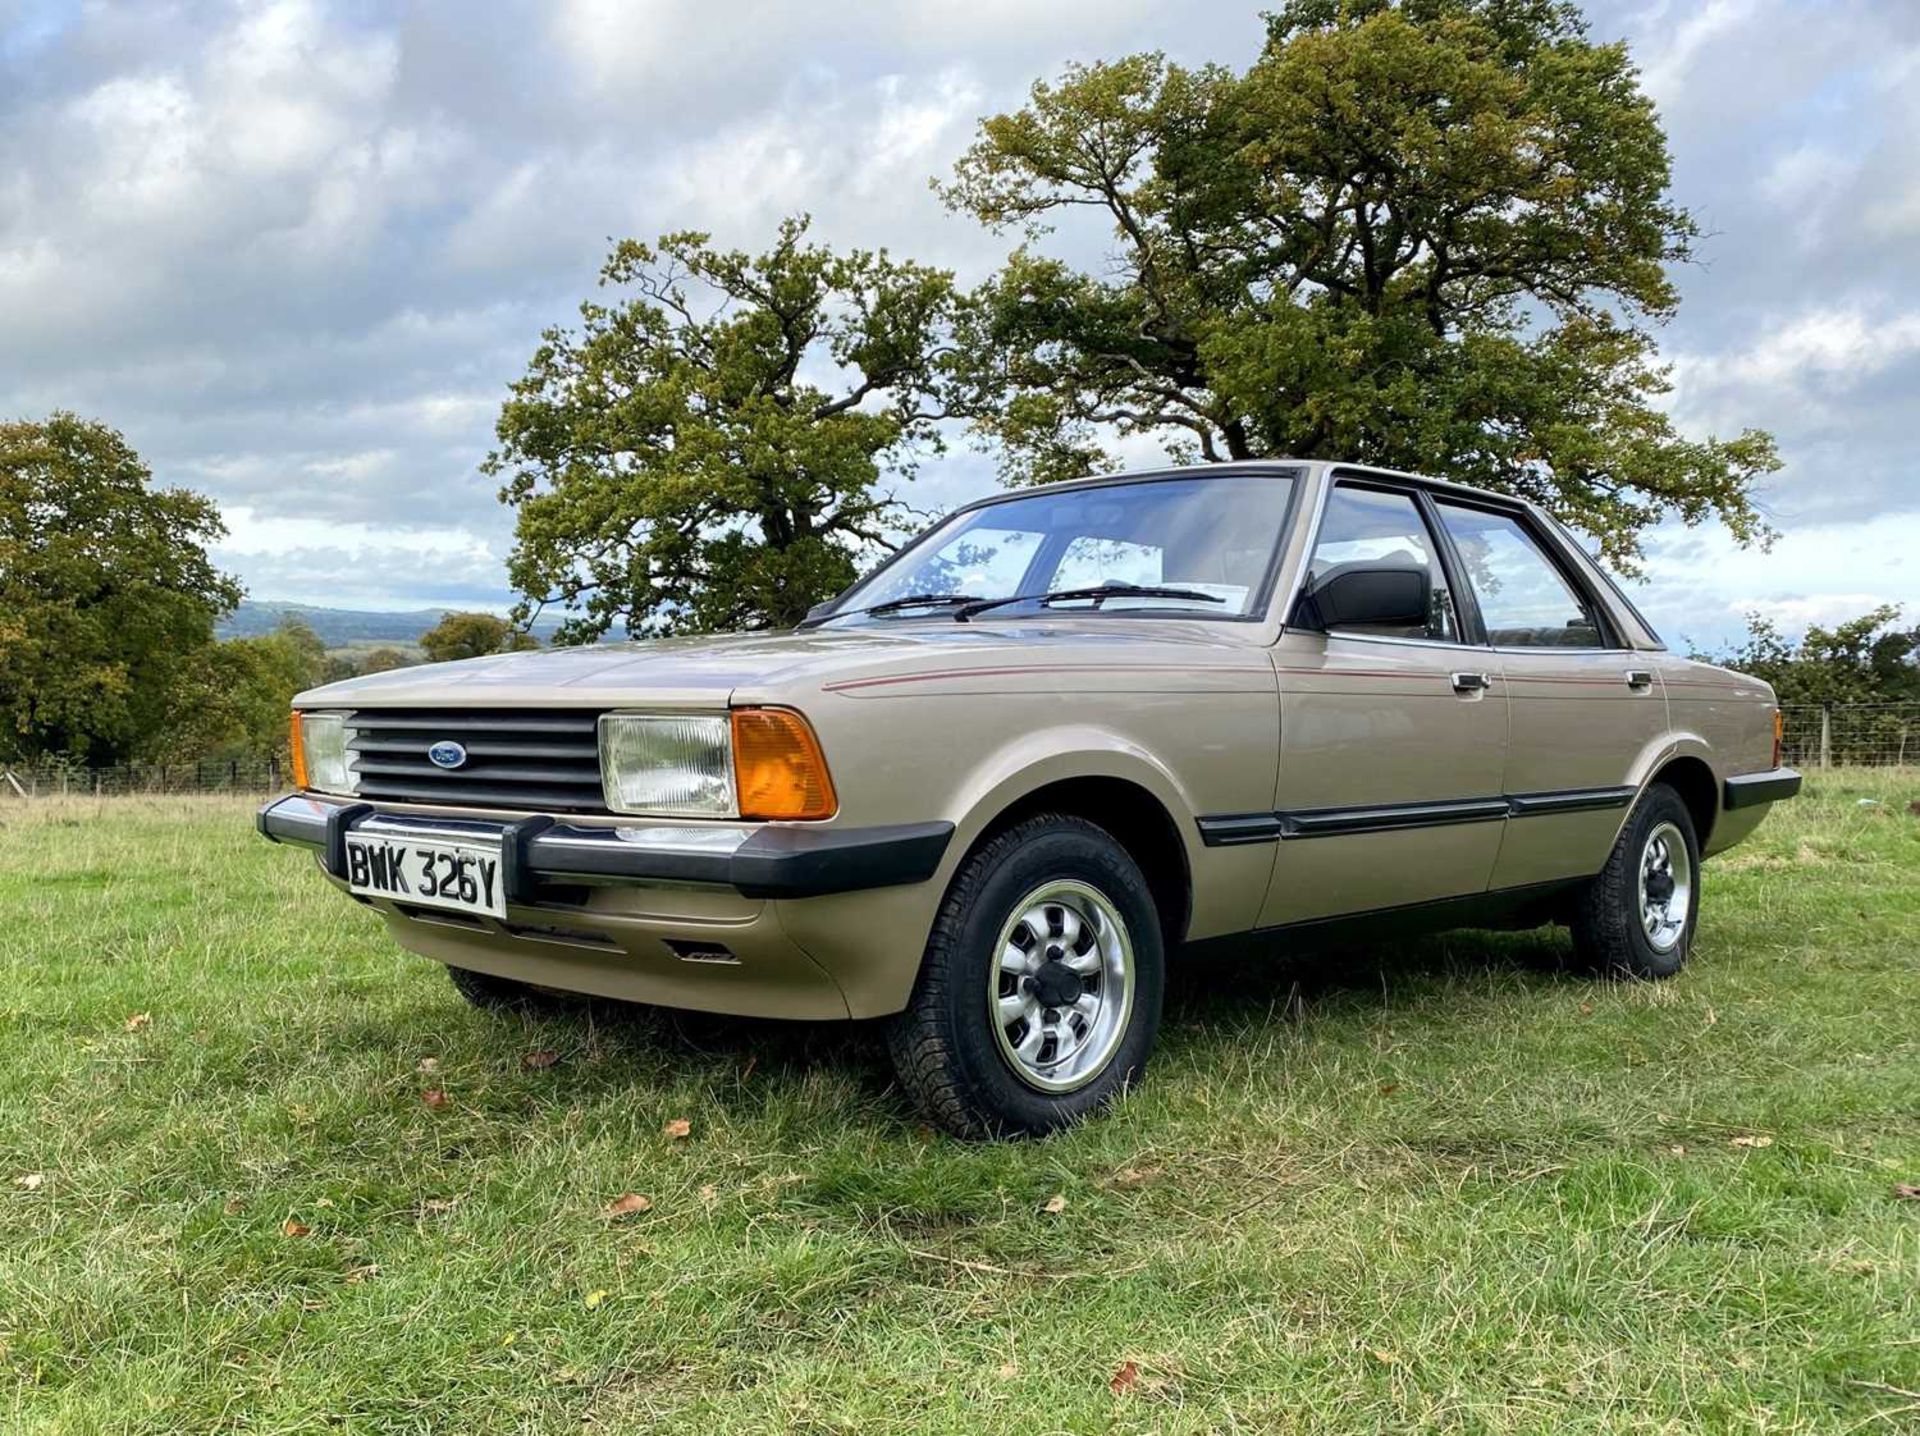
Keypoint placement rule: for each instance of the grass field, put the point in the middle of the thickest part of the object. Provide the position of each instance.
(1430, 1186)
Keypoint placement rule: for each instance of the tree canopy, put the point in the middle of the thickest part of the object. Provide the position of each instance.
(107, 596)
(707, 449)
(1429, 234)
(1869, 659)
(465, 635)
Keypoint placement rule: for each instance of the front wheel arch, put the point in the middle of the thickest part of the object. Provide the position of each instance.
(1134, 817)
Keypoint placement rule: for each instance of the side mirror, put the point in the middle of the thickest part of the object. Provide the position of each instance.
(818, 612)
(1358, 594)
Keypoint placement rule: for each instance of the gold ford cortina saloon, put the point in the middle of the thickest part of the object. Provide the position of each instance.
(995, 790)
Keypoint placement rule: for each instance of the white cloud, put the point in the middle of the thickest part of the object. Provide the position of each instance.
(298, 249)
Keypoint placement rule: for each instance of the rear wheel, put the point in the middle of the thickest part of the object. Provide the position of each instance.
(1039, 992)
(1637, 917)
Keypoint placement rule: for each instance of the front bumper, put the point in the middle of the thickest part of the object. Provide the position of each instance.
(765, 862)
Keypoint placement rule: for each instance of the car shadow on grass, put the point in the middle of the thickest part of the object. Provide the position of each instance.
(1221, 990)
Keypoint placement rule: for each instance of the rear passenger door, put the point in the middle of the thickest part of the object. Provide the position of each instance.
(1583, 707)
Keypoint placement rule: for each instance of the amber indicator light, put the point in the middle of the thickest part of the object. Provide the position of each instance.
(778, 768)
(298, 748)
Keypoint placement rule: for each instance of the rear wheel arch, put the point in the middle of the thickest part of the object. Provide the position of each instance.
(1693, 780)
(1136, 818)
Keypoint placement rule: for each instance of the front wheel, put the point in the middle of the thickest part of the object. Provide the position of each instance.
(1637, 917)
(1039, 992)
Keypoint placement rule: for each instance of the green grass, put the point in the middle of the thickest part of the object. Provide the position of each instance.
(1425, 1186)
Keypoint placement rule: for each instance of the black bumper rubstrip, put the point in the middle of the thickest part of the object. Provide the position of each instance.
(768, 862)
(1748, 790)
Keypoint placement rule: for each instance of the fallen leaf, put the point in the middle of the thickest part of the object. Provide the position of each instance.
(626, 1205)
(139, 1020)
(538, 1061)
(435, 1098)
(292, 1227)
(709, 1194)
(1678, 1150)
(1135, 1176)
(1009, 1370)
(1385, 1358)
(1586, 1009)
(1055, 1203)
(235, 1205)
(676, 1129)
(324, 1202)
(510, 1338)
(594, 1298)
(429, 1064)
(363, 1273)
(1125, 1378)
(1759, 1139)
(1711, 1017)
(1387, 1089)
(32, 1181)
(1907, 1191)
(438, 1206)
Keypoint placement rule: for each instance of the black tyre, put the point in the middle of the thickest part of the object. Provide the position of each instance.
(503, 994)
(1636, 918)
(1039, 993)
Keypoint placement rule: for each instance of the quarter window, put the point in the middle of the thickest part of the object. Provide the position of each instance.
(1373, 527)
(1525, 601)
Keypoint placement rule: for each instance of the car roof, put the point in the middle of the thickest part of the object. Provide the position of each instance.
(1229, 468)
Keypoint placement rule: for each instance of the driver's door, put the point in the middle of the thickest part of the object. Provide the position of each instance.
(1392, 741)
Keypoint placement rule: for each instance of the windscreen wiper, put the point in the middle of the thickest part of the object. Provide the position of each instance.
(1104, 591)
(919, 600)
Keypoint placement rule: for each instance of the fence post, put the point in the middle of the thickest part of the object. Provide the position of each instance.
(1826, 735)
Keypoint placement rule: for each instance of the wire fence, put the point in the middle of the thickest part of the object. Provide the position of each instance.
(143, 779)
(1817, 736)
(1880, 735)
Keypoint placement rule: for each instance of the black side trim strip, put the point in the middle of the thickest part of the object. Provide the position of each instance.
(1569, 800)
(1748, 790)
(1230, 829)
(1387, 818)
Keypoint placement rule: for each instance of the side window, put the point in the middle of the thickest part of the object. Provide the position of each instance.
(1525, 600)
(1371, 526)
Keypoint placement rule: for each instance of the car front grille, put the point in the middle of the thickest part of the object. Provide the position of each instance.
(535, 760)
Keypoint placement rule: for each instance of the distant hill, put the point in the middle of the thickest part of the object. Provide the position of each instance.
(342, 627)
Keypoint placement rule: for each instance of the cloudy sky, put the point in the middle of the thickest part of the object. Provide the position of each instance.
(296, 250)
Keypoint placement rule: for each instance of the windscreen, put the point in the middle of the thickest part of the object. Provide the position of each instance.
(1215, 538)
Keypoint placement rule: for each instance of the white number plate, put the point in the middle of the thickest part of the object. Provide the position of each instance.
(427, 872)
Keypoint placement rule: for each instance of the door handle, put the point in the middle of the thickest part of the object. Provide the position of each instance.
(1471, 682)
(1639, 679)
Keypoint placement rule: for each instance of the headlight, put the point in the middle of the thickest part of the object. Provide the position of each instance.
(320, 758)
(678, 763)
(750, 763)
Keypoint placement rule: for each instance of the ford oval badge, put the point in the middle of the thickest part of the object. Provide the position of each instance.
(447, 754)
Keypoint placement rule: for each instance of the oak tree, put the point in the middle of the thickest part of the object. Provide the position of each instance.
(471, 635)
(1429, 234)
(107, 596)
(707, 449)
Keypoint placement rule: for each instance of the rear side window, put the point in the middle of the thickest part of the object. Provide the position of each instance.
(1373, 527)
(1525, 601)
